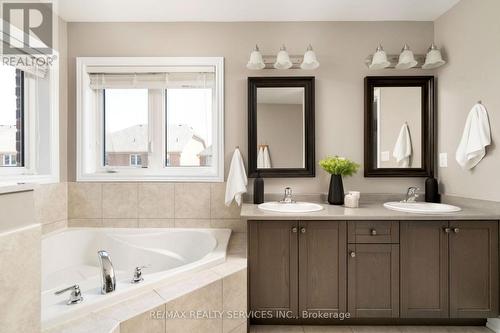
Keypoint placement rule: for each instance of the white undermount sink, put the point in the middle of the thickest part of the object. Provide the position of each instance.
(421, 207)
(295, 207)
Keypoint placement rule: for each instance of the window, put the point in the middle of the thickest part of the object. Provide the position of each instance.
(189, 130)
(136, 160)
(158, 119)
(9, 160)
(126, 126)
(29, 124)
(11, 116)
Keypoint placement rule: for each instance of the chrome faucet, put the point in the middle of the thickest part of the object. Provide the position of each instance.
(75, 297)
(108, 278)
(287, 199)
(411, 194)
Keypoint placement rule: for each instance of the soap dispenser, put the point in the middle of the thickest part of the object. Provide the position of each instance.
(258, 189)
(432, 190)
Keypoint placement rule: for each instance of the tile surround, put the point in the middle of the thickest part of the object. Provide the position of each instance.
(119, 201)
(51, 206)
(84, 200)
(179, 205)
(20, 296)
(192, 200)
(156, 200)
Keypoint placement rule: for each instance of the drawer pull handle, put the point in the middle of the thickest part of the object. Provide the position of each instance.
(303, 230)
(456, 230)
(294, 230)
(447, 230)
(373, 232)
(352, 254)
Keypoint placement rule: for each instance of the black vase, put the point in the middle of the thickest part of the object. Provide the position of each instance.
(336, 191)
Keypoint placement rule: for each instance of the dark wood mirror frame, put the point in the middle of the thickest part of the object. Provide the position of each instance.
(306, 82)
(428, 126)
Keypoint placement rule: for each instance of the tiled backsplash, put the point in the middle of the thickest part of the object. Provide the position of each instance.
(181, 205)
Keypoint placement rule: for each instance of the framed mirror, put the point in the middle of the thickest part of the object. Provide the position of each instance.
(281, 126)
(399, 126)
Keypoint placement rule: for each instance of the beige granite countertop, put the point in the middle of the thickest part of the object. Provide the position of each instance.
(374, 210)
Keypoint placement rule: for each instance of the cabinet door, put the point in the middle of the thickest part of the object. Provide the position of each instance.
(473, 269)
(322, 267)
(273, 259)
(424, 269)
(373, 280)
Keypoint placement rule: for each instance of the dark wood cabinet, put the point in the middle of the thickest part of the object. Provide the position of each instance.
(322, 267)
(273, 266)
(373, 269)
(373, 280)
(424, 269)
(282, 253)
(449, 269)
(473, 269)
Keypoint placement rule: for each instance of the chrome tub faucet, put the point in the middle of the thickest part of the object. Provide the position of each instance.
(108, 277)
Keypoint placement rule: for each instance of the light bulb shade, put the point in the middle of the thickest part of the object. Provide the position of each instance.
(406, 60)
(379, 60)
(309, 61)
(282, 60)
(433, 59)
(255, 62)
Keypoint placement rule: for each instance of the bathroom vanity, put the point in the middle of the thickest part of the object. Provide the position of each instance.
(374, 264)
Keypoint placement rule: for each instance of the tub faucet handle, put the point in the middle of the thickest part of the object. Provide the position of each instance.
(138, 274)
(76, 295)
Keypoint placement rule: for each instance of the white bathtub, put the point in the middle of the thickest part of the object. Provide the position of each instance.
(70, 257)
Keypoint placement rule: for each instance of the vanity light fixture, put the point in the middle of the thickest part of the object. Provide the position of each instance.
(309, 61)
(283, 59)
(379, 60)
(406, 58)
(256, 62)
(433, 59)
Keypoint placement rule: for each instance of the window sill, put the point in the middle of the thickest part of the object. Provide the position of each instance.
(7, 188)
(22, 183)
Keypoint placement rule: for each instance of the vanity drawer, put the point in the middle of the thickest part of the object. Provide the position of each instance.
(382, 232)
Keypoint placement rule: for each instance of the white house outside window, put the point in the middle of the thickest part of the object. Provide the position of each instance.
(164, 115)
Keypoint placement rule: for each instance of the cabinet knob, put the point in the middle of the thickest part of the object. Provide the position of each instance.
(303, 230)
(352, 254)
(456, 230)
(447, 230)
(373, 232)
(294, 230)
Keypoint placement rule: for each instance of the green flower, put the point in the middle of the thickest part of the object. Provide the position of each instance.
(339, 166)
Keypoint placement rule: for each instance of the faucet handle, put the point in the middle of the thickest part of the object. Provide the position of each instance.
(76, 295)
(138, 274)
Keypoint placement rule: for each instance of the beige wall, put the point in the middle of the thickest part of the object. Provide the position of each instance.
(341, 47)
(468, 33)
(281, 126)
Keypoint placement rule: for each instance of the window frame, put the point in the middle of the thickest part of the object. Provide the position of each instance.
(29, 172)
(90, 125)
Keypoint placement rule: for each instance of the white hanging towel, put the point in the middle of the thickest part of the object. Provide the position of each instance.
(402, 149)
(475, 138)
(260, 158)
(267, 158)
(237, 180)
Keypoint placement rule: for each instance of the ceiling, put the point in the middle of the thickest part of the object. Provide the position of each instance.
(251, 10)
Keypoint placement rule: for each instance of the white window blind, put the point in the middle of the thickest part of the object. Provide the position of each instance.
(152, 80)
